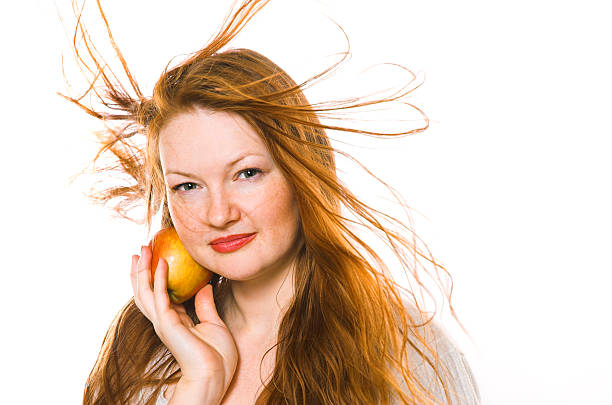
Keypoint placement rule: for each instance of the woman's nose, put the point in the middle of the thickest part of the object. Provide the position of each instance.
(222, 210)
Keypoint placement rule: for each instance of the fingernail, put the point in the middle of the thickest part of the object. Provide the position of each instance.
(142, 249)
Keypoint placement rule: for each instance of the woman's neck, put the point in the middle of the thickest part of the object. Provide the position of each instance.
(254, 308)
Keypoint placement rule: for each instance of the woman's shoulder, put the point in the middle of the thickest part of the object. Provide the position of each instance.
(451, 361)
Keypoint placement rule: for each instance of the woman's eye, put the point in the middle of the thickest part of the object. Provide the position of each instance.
(184, 187)
(249, 173)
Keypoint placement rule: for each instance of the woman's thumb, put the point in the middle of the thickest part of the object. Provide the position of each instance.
(205, 306)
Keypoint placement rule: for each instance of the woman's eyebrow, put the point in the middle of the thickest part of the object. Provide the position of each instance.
(240, 157)
(230, 164)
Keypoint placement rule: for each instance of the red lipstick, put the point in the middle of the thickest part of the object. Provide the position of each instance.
(231, 243)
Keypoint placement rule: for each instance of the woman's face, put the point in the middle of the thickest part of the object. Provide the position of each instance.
(221, 181)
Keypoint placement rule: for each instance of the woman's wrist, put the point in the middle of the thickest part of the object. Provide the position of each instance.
(189, 392)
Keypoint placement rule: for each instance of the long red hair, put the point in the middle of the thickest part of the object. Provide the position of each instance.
(347, 335)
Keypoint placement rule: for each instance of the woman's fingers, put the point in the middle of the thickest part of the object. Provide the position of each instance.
(134, 272)
(205, 306)
(161, 299)
(141, 282)
(152, 298)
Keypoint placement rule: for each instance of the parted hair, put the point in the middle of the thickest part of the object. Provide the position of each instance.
(346, 336)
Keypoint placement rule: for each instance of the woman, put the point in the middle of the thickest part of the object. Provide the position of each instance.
(302, 311)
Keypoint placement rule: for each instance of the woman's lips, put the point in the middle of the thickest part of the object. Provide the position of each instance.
(231, 243)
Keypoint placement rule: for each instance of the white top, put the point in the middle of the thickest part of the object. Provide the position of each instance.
(463, 380)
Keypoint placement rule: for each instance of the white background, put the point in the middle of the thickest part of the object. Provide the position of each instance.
(512, 177)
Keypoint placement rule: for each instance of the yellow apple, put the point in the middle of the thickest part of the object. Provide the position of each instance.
(185, 275)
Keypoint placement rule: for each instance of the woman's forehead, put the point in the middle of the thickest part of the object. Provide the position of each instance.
(213, 135)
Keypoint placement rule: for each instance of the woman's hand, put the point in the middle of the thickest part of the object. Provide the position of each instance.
(206, 352)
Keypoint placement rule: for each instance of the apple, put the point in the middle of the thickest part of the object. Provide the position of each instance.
(185, 275)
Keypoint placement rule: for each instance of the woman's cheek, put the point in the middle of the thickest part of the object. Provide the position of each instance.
(184, 213)
(263, 200)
